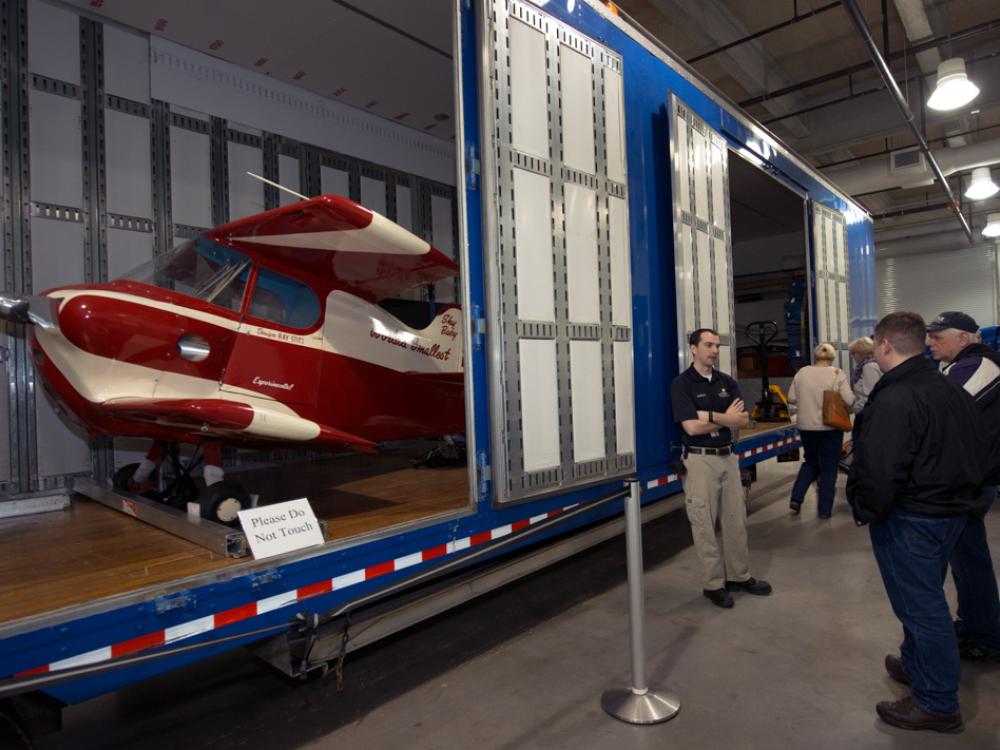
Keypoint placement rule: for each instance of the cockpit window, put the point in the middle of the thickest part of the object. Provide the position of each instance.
(200, 268)
(283, 300)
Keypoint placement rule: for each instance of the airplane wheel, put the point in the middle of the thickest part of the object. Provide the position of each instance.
(221, 502)
(121, 477)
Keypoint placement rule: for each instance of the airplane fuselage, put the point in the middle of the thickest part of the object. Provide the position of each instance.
(131, 359)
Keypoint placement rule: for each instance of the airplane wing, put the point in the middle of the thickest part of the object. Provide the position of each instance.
(224, 419)
(331, 236)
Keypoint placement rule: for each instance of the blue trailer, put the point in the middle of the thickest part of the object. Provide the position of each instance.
(594, 230)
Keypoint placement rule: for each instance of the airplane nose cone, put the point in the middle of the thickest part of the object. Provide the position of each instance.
(37, 310)
(14, 309)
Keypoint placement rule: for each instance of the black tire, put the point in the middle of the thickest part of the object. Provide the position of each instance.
(221, 501)
(121, 477)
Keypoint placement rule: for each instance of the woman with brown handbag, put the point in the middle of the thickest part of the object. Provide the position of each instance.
(819, 397)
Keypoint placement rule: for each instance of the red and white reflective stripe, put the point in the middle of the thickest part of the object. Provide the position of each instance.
(206, 624)
(659, 482)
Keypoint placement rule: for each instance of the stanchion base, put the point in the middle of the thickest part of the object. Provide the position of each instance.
(652, 707)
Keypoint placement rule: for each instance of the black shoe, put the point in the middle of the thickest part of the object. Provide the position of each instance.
(795, 506)
(894, 666)
(906, 714)
(824, 516)
(750, 586)
(968, 650)
(719, 597)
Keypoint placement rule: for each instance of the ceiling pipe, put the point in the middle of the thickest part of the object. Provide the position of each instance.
(876, 176)
(886, 151)
(858, 19)
(796, 18)
(926, 243)
(833, 75)
(916, 24)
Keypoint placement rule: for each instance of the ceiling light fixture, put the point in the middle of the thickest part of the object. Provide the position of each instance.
(982, 186)
(953, 89)
(992, 228)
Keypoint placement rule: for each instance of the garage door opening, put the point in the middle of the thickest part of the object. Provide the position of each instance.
(770, 287)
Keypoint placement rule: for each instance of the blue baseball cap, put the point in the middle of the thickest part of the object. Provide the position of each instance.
(957, 320)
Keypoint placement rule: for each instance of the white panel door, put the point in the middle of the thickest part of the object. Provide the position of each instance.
(190, 178)
(246, 195)
(443, 238)
(528, 107)
(128, 164)
(560, 273)
(335, 181)
(702, 240)
(373, 194)
(831, 288)
(289, 177)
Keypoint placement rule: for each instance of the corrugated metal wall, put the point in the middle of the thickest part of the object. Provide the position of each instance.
(933, 282)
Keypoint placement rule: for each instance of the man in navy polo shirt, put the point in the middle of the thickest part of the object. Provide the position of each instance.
(708, 409)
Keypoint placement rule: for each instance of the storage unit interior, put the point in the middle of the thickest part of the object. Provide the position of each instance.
(90, 552)
(770, 279)
(185, 118)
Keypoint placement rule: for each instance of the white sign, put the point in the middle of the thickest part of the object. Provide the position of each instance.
(275, 529)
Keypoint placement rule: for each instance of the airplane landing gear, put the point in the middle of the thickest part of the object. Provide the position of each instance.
(221, 501)
(171, 482)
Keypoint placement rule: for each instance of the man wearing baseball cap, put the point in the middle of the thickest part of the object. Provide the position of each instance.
(954, 342)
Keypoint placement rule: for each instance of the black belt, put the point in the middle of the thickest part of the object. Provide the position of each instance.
(709, 451)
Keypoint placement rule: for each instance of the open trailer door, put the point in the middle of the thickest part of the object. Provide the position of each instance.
(699, 161)
(559, 271)
(831, 290)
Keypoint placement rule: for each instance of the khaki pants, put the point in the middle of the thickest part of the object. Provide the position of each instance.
(713, 491)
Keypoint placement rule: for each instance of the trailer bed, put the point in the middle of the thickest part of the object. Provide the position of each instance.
(90, 552)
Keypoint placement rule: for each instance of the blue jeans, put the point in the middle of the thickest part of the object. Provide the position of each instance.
(822, 455)
(912, 551)
(976, 583)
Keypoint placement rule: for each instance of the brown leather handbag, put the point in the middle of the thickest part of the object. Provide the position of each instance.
(835, 411)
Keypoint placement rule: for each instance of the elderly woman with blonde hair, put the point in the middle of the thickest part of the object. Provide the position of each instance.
(820, 443)
(866, 371)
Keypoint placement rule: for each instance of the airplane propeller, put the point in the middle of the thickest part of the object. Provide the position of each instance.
(30, 309)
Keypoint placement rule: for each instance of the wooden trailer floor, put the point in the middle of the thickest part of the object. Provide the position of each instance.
(89, 552)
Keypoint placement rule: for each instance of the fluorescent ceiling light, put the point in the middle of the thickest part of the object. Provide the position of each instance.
(992, 228)
(981, 186)
(954, 89)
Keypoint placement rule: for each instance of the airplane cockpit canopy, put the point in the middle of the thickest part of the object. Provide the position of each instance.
(216, 273)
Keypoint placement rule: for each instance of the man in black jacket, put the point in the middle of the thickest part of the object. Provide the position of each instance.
(954, 341)
(917, 474)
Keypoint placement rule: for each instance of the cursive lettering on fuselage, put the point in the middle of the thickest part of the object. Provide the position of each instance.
(271, 384)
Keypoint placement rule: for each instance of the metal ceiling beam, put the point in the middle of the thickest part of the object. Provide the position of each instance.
(833, 75)
(797, 18)
(858, 19)
(887, 151)
(749, 64)
(916, 76)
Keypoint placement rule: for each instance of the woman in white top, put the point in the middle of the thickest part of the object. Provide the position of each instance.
(820, 444)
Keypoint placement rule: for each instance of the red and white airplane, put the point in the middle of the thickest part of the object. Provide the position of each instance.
(265, 331)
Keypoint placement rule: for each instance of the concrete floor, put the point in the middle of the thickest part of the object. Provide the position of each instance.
(525, 667)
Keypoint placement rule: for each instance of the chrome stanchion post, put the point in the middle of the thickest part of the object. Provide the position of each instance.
(638, 704)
